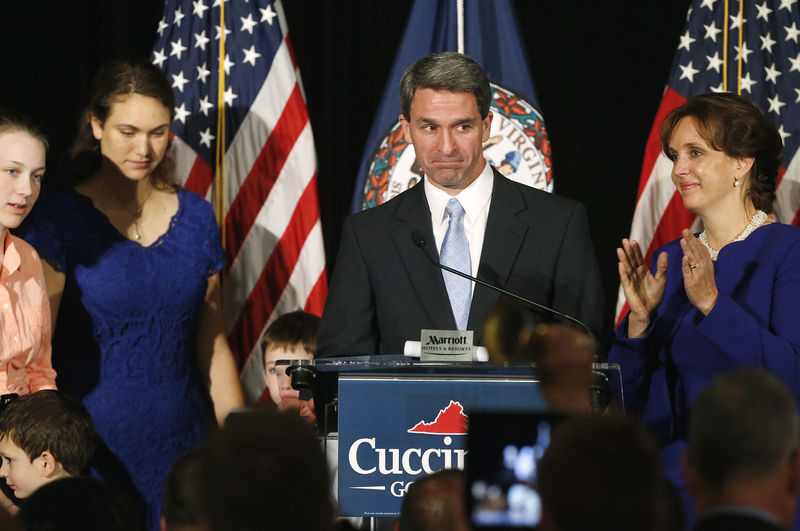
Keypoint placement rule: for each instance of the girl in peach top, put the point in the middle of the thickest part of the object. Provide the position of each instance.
(24, 309)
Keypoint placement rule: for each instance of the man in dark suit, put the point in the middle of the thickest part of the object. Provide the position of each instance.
(741, 463)
(384, 289)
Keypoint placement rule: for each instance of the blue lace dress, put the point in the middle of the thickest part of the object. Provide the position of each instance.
(124, 342)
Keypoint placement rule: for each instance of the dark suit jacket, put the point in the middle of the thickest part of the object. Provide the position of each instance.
(735, 522)
(384, 290)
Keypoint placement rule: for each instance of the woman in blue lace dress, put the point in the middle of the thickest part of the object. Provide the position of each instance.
(132, 272)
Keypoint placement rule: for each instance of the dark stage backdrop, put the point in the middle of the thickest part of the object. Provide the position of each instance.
(599, 68)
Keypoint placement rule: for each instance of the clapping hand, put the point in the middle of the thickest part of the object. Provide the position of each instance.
(698, 273)
(643, 290)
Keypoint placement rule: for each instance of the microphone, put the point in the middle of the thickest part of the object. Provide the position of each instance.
(419, 240)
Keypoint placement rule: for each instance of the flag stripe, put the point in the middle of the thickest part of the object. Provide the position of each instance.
(259, 124)
(316, 299)
(271, 222)
(200, 178)
(657, 195)
(310, 265)
(788, 194)
(652, 151)
(191, 171)
(264, 172)
(274, 277)
(308, 273)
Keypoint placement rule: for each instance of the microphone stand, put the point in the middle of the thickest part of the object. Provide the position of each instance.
(419, 241)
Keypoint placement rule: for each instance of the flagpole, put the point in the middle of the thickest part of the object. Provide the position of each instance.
(741, 50)
(460, 24)
(219, 180)
(725, 49)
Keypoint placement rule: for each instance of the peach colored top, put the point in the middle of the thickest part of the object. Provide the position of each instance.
(25, 364)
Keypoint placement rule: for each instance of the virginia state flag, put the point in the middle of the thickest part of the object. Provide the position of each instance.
(488, 32)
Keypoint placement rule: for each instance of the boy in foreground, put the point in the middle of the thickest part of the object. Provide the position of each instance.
(44, 436)
(292, 336)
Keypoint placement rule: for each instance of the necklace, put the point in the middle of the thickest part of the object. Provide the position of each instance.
(135, 214)
(758, 219)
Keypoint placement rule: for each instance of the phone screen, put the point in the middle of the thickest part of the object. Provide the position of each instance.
(504, 450)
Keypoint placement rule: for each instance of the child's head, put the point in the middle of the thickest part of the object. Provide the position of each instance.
(44, 436)
(292, 336)
(22, 165)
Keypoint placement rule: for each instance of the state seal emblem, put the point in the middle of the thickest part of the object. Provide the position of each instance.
(517, 146)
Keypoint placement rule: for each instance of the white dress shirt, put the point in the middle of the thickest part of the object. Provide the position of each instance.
(475, 199)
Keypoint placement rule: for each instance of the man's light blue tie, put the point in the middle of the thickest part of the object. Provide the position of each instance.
(455, 254)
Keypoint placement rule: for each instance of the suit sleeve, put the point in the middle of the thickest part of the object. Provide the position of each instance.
(639, 358)
(770, 341)
(578, 288)
(636, 365)
(349, 326)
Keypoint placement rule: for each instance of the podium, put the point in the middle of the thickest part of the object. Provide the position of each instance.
(395, 419)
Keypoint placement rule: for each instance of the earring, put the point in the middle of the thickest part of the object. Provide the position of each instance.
(736, 182)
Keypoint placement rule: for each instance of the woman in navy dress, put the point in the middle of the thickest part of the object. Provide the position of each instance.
(132, 266)
(724, 298)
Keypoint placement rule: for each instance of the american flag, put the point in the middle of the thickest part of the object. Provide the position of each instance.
(268, 196)
(751, 48)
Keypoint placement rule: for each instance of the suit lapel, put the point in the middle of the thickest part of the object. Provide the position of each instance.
(502, 241)
(413, 214)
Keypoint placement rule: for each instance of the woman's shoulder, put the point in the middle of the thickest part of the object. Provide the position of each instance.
(194, 202)
(778, 239)
(776, 236)
(24, 249)
(29, 258)
(193, 205)
(188, 197)
(781, 230)
(196, 226)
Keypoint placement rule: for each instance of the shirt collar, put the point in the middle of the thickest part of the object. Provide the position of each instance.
(473, 198)
(11, 258)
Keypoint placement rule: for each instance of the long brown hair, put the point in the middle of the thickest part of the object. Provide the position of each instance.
(113, 81)
(734, 125)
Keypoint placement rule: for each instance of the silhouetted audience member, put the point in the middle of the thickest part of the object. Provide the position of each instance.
(601, 473)
(563, 355)
(435, 503)
(671, 507)
(182, 509)
(741, 463)
(507, 330)
(77, 504)
(266, 470)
